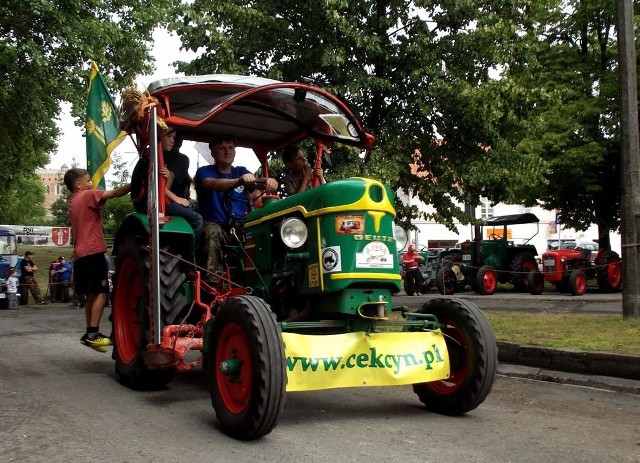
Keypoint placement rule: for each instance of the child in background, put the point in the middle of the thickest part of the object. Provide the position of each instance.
(12, 290)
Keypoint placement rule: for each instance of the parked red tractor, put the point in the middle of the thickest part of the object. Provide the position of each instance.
(570, 269)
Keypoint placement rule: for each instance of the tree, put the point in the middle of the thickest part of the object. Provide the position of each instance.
(420, 85)
(116, 209)
(45, 47)
(563, 84)
(60, 209)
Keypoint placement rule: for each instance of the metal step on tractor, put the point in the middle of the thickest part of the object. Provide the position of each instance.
(304, 302)
(485, 261)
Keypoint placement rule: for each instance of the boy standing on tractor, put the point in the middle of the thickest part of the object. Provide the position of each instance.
(90, 266)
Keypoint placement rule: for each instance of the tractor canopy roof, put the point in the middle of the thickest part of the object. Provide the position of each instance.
(262, 114)
(513, 219)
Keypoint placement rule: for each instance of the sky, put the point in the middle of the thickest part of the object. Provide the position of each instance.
(71, 143)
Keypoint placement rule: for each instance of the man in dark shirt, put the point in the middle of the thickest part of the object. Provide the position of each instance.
(28, 280)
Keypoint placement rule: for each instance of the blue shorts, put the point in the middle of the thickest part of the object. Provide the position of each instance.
(91, 274)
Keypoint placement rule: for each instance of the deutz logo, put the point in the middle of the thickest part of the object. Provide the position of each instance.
(385, 239)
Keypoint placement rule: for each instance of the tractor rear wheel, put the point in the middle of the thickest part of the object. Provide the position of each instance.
(535, 282)
(473, 356)
(131, 325)
(577, 282)
(523, 263)
(609, 272)
(446, 281)
(246, 368)
(486, 280)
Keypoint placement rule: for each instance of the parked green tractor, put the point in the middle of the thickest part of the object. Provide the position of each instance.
(305, 300)
(485, 261)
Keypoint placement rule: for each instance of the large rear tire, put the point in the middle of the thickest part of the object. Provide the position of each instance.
(131, 326)
(446, 281)
(609, 272)
(535, 282)
(472, 353)
(523, 263)
(246, 368)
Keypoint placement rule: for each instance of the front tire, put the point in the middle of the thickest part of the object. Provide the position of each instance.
(486, 280)
(246, 368)
(473, 357)
(577, 282)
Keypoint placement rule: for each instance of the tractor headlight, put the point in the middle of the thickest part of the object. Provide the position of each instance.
(293, 232)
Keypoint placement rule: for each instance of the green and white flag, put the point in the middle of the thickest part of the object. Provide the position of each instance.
(102, 128)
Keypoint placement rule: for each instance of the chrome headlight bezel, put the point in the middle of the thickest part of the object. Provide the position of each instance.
(294, 232)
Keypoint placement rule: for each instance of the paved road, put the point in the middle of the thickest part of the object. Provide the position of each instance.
(60, 402)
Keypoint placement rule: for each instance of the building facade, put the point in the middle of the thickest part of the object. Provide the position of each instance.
(53, 181)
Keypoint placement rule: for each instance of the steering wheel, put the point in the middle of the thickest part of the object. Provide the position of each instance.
(494, 236)
(257, 184)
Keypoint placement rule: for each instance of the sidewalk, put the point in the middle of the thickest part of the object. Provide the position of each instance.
(615, 372)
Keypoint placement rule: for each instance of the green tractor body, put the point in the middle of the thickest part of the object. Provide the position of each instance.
(305, 299)
(482, 263)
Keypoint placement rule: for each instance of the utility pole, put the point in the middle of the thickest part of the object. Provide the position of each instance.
(629, 160)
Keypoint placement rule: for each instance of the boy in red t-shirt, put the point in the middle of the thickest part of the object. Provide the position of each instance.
(90, 266)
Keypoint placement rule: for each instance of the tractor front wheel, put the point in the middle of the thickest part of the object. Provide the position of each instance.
(246, 368)
(577, 282)
(473, 357)
(486, 280)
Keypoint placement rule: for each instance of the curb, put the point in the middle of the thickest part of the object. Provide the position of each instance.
(618, 372)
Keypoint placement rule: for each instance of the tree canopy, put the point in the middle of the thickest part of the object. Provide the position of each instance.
(511, 100)
(45, 49)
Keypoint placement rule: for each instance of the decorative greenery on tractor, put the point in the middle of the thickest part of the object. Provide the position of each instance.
(313, 272)
(483, 263)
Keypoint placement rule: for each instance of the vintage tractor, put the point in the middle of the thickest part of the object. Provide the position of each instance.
(305, 301)
(570, 269)
(483, 263)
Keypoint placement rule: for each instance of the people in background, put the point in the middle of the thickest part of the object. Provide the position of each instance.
(28, 281)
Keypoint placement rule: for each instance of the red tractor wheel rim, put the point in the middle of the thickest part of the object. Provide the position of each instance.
(489, 281)
(127, 299)
(614, 274)
(235, 389)
(458, 358)
(581, 284)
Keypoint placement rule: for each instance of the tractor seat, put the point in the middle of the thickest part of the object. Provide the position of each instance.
(585, 254)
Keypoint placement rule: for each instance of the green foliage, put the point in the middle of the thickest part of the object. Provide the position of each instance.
(420, 86)
(60, 209)
(45, 48)
(563, 87)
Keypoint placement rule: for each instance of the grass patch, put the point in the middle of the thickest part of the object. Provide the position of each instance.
(590, 332)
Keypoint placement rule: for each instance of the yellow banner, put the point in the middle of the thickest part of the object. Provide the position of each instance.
(361, 359)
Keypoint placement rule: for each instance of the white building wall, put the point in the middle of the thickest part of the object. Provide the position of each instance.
(546, 230)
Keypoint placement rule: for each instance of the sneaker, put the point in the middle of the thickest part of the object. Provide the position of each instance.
(96, 341)
(43, 303)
